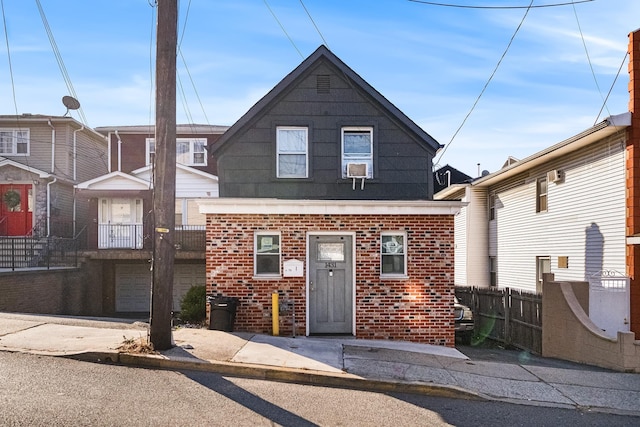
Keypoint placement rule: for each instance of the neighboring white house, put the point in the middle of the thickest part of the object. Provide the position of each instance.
(561, 211)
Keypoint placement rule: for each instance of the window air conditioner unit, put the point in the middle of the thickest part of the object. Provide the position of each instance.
(357, 171)
(554, 176)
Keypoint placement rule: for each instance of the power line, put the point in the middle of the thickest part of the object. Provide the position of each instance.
(282, 28)
(611, 88)
(586, 51)
(314, 24)
(6, 37)
(486, 84)
(499, 7)
(58, 55)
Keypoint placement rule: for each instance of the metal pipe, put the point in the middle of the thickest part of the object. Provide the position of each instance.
(275, 315)
(49, 205)
(119, 151)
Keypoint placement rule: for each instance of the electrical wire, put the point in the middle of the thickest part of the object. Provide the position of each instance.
(282, 28)
(485, 86)
(586, 51)
(58, 55)
(431, 3)
(6, 37)
(624, 59)
(314, 24)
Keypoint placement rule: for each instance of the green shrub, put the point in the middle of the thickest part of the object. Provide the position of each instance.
(193, 307)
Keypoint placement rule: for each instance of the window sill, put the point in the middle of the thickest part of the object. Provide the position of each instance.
(394, 277)
(267, 277)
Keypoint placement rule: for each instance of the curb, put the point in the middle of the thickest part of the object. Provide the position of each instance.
(278, 374)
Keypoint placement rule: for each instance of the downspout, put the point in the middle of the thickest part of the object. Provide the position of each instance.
(109, 152)
(49, 206)
(119, 152)
(75, 172)
(53, 147)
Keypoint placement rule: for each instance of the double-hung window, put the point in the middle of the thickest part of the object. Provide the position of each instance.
(393, 253)
(541, 194)
(357, 147)
(14, 142)
(267, 253)
(293, 152)
(189, 151)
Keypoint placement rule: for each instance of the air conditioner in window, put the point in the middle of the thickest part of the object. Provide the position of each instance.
(554, 176)
(357, 171)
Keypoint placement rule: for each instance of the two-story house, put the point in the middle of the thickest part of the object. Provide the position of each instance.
(570, 209)
(326, 199)
(120, 218)
(41, 159)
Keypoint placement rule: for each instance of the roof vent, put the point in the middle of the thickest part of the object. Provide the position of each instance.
(323, 83)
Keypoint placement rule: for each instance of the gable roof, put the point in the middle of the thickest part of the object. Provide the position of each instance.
(322, 53)
(114, 181)
(9, 162)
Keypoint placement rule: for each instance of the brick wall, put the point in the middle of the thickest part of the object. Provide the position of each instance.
(62, 291)
(418, 309)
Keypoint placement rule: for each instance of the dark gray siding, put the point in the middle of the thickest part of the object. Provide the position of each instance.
(402, 163)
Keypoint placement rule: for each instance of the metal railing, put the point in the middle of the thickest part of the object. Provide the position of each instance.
(33, 252)
(132, 236)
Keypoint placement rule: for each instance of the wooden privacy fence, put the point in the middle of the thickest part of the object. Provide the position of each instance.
(509, 316)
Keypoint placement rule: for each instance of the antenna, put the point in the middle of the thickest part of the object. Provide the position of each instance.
(71, 103)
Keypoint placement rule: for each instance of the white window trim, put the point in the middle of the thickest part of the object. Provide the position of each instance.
(305, 152)
(192, 142)
(14, 145)
(356, 160)
(256, 236)
(404, 275)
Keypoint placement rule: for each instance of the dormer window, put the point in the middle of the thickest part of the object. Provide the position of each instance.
(357, 148)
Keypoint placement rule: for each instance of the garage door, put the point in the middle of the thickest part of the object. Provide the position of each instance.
(133, 285)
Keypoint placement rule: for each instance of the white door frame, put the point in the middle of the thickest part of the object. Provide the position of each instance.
(351, 234)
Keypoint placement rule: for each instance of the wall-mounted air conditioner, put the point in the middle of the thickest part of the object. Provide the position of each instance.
(554, 176)
(357, 171)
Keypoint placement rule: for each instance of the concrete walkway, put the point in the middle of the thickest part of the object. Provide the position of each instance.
(386, 366)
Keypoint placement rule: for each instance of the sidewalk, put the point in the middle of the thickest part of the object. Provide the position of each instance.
(385, 366)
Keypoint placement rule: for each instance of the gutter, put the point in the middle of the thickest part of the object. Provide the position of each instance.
(53, 147)
(49, 205)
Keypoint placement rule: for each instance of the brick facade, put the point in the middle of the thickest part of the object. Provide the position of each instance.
(633, 179)
(418, 308)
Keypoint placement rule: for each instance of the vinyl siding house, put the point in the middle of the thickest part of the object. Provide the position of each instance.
(326, 200)
(559, 211)
(120, 219)
(41, 159)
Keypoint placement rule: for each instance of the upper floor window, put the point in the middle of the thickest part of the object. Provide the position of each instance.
(492, 207)
(293, 155)
(14, 142)
(357, 147)
(189, 151)
(393, 253)
(541, 195)
(493, 271)
(267, 253)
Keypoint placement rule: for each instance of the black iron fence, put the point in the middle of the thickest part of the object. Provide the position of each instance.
(33, 252)
(509, 316)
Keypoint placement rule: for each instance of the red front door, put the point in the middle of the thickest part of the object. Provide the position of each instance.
(16, 211)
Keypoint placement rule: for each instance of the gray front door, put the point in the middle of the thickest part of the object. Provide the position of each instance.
(330, 284)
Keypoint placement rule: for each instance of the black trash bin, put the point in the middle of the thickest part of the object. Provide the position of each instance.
(223, 313)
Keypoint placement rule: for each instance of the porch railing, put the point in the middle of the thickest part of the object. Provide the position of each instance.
(132, 236)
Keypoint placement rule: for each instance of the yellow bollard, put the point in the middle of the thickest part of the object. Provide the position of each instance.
(275, 313)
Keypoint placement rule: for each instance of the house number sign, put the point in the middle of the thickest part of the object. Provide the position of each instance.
(330, 265)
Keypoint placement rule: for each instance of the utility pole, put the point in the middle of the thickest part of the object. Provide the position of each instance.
(164, 176)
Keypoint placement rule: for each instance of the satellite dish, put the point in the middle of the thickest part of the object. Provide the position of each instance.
(71, 103)
(485, 172)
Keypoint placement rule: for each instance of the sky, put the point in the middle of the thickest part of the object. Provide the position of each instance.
(487, 83)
